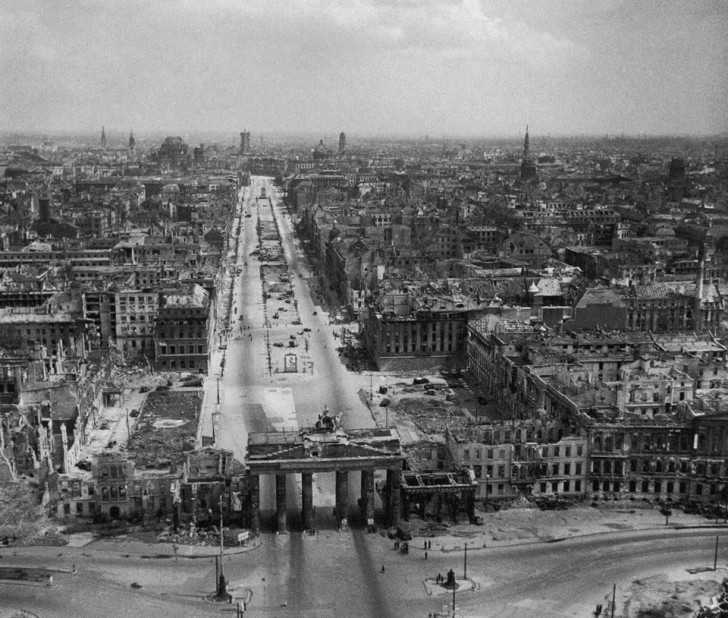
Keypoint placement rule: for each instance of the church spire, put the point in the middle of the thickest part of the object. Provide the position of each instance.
(132, 141)
(528, 167)
(103, 137)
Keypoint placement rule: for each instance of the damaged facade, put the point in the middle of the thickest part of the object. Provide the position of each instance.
(638, 416)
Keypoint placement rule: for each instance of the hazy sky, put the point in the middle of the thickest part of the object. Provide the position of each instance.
(465, 67)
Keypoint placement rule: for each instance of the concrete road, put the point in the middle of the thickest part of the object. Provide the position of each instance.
(335, 574)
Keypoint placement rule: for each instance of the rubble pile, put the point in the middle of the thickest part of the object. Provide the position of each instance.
(140, 377)
(658, 596)
(520, 502)
(719, 607)
(22, 520)
(710, 511)
(430, 416)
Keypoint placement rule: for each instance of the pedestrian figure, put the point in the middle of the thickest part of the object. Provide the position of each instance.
(429, 544)
(382, 568)
(425, 555)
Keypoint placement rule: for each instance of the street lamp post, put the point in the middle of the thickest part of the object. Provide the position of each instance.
(487, 488)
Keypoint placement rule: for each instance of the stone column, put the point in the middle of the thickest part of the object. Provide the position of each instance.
(470, 504)
(307, 499)
(393, 498)
(342, 495)
(254, 503)
(281, 501)
(367, 495)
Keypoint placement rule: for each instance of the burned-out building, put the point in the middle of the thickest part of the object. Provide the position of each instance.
(528, 458)
(182, 330)
(420, 326)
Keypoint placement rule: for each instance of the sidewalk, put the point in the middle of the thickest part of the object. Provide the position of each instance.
(223, 327)
(529, 526)
(125, 545)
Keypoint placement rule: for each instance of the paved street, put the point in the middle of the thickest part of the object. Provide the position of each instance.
(335, 575)
(255, 394)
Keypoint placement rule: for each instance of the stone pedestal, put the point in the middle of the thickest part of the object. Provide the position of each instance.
(281, 501)
(307, 499)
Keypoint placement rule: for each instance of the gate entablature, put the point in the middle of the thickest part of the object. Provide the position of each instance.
(314, 451)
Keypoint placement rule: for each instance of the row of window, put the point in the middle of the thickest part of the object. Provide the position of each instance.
(187, 334)
(546, 451)
(182, 364)
(112, 471)
(180, 349)
(555, 469)
(142, 330)
(559, 486)
(113, 493)
(42, 331)
(656, 487)
(141, 317)
(134, 299)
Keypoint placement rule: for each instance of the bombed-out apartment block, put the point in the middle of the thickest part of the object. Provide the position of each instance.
(648, 415)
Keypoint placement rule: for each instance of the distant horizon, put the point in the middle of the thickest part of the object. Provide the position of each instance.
(234, 136)
(462, 69)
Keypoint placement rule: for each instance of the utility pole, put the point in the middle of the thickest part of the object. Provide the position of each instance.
(221, 586)
(715, 555)
(465, 563)
(614, 597)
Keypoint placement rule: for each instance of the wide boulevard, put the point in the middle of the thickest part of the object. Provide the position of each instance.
(333, 575)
